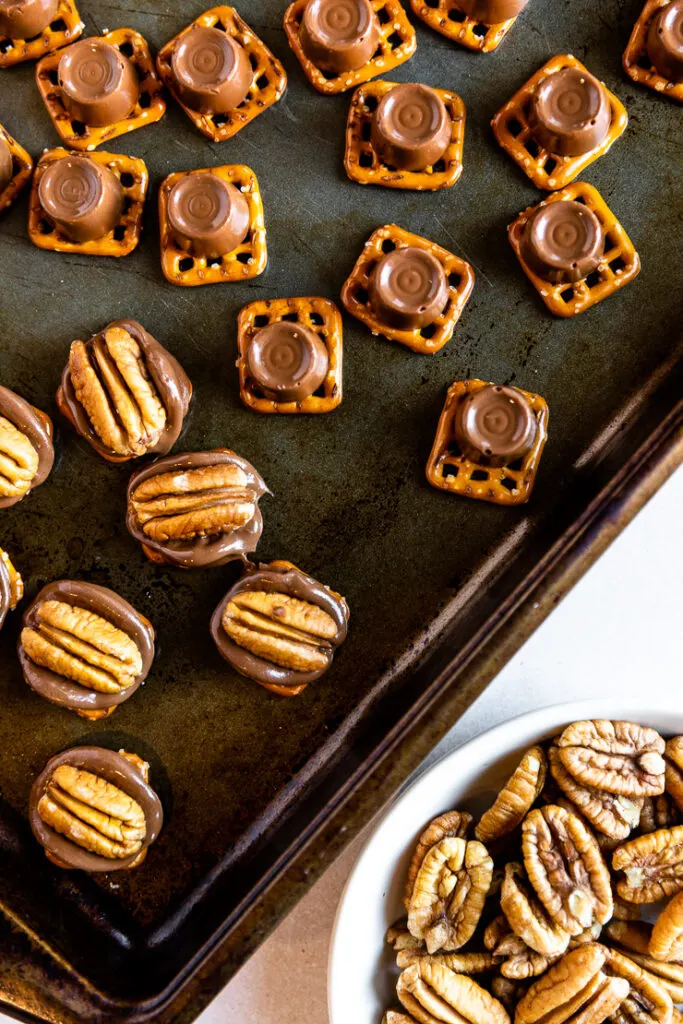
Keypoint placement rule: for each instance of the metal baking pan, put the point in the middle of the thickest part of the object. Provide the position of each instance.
(260, 792)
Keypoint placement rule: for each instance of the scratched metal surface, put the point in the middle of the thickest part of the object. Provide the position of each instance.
(350, 503)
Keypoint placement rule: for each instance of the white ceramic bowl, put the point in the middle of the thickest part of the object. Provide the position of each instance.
(361, 979)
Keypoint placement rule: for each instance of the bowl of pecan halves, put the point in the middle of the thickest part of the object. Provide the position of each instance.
(533, 876)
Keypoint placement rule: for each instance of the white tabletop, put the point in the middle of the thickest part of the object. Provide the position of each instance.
(618, 631)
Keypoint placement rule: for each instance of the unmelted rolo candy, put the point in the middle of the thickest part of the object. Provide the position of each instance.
(569, 113)
(98, 84)
(24, 19)
(495, 425)
(288, 361)
(207, 216)
(339, 35)
(408, 288)
(83, 198)
(211, 71)
(492, 12)
(665, 41)
(562, 241)
(411, 128)
(6, 164)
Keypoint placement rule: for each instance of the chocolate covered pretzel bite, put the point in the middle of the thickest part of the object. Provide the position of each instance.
(84, 648)
(654, 54)
(93, 809)
(15, 169)
(31, 28)
(26, 448)
(477, 24)
(11, 586)
(124, 393)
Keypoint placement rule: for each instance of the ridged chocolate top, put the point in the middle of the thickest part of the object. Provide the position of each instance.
(408, 288)
(98, 84)
(411, 128)
(37, 427)
(492, 12)
(665, 41)
(6, 165)
(207, 216)
(569, 113)
(339, 35)
(288, 361)
(211, 71)
(495, 425)
(562, 241)
(24, 19)
(84, 198)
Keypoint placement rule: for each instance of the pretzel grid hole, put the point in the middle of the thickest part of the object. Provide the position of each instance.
(63, 29)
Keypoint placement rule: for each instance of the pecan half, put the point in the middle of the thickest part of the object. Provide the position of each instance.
(93, 813)
(519, 962)
(648, 1002)
(659, 812)
(399, 938)
(618, 757)
(576, 990)
(461, 963)
(633, 940)
(666, 941)
(674, 770)
(652, 866)
(80, 645)
(528, 917)
(432, 994)
(565, 867)
(452, 825)
(615, 815)
(18, 461)
(396, 1017)
(515, 799)
(112, 382)
(449, 894)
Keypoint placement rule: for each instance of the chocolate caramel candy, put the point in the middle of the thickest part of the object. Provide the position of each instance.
(287, 361)
(196, 510)
(24, 19)
(98, 84)
(6, 165)
(93, 809)
(492, 12)
(211, 71)
(279, 627)
(339, 35)
(408, 288)
(85, 648)
(26, 450)
(665, 41)
(495, 426)
(11, 586)
(83, 198)
(569, 113)
(207, 216)
(562, 241)
(124, 393)
(411, 128)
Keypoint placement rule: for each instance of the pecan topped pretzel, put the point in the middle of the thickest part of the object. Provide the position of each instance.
(26, 449)
(11, 586)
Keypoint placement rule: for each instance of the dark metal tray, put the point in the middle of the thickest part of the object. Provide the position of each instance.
(261, 792)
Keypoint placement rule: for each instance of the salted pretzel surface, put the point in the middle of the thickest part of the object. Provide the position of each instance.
(446, 18)
(123, 238)
(248, 260)
(268, 83)
(150, 107)
(548, 170)
(318, 315)
(449, 470)
(397, 44)
(619, 264)
(364, 165)
(65, 27)
(22, 166)
(425, 340)
(638, 65)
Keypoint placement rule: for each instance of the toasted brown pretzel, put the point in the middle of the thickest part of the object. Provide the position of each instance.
(267, 85)
(448, 20)
(150, 107)
(66, 27)
(449, 470)
(638, 65)
(619, 264)
(364, 165)
(548, 170)
(398, 43)
(318, 315)
(425, 340)
(134, 178)
(22, 166)
(248, 260)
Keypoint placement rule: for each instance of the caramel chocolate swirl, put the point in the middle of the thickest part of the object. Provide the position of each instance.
(26, 450)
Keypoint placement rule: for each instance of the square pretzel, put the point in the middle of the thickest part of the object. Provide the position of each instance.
(619, 264)
(123, 238)
(449, 470)
(150, 107)
(397, 44)
(318, 315)
(248, 260)
(22, 165)
(450, 21)
(364, 165)
(426, 340)
(267, 85)
(638, 65)
(64, 28)
(548, 170)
